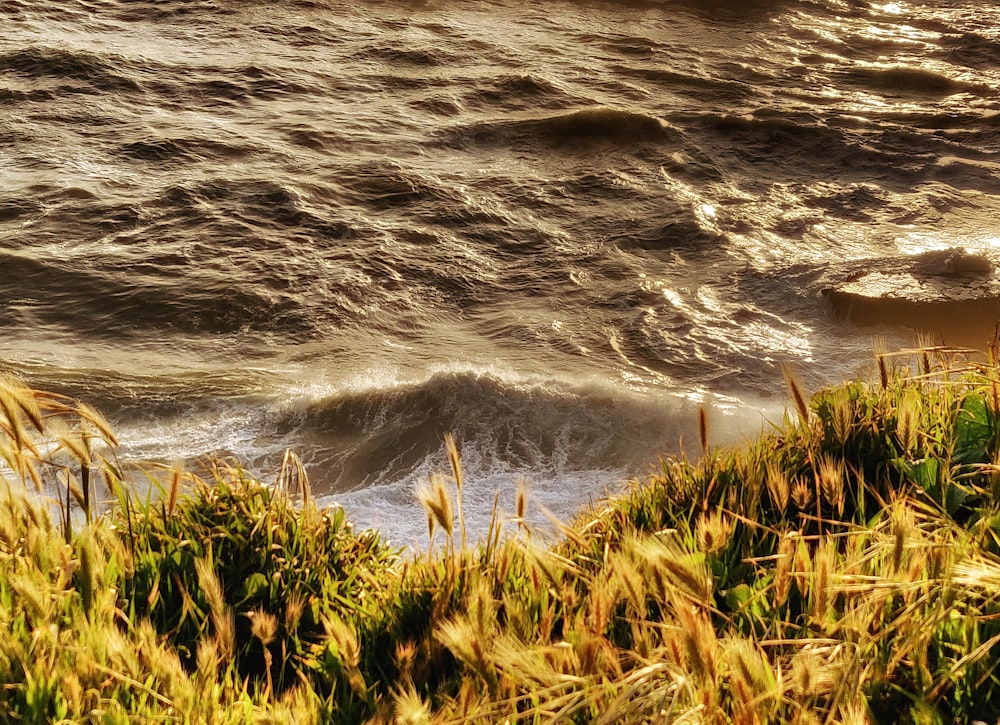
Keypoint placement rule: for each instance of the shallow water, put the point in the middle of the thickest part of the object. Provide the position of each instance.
(553, 229)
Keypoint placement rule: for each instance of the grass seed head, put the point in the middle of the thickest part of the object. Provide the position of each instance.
(455, 460)
(293, 479)
(778, 487)
(703, 428)
(468, 643)
(802, 495)
(346, 639)
(444, 511)
(208, 660)
(601, 603)
(813, 673)
(294, 608)
(783, 568)
(902, 523)
(908, 416)
(700, 641)
(263, 626)
(410, 708)
(437, 503)
(480, 605)
(521, 504)
(405, 658)
(820, 588)
(713, 531)
(880, 356)
(802, 566)
(796, 391)
(221, 614)
(175, 486)
(842, 416)
(671, 571)
(750, 665)
(210, 585)
(831, 482)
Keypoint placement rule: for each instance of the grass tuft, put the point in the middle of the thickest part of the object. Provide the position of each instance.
(843, 566)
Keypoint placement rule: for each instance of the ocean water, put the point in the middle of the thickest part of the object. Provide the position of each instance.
(554, 229)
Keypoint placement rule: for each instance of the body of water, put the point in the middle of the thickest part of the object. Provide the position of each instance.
(554, 229)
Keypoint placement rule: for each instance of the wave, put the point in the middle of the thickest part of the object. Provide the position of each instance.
(101, 73)
(517, 92)
(778, 147)
(576, 130)
(182, 149)
(99, 303)
(14, 208)
(359, 437)
(901, 80)
(972, 50)
(684, 232)
(718, 10)
(397, 56)
(380, 185)
(253, 82)
(725, 91)
(773, 144)
(253, 214)
(360, 433)
(146, 10)
(853, 202)
(16, 95)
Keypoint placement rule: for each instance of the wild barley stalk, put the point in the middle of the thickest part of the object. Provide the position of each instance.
(456, 469)
(782, 575)
(908, 417)
(778, 488)
(175, 485)
(263, 627)
(410, 708)
(713, 531)
(437, 503)
(222, 616)
(703, 429)
(796, 391)
(521, 503)
(802, 495)
(831, 477)
(293, 479)
(843, 416)
(803, 411)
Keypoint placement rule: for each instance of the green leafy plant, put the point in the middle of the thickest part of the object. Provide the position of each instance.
(843, 566)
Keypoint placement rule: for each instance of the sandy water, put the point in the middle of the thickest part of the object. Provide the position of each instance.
(553, 229)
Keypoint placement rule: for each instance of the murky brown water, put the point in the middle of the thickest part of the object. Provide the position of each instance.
(552, 228)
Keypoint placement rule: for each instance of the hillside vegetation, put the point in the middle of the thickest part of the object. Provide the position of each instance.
(843, 566)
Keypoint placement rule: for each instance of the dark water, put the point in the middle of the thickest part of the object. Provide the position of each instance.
(553, 228)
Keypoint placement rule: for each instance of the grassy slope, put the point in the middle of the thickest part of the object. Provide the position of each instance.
(842, 567)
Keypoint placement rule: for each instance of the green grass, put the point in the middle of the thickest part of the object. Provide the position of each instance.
(843, 566)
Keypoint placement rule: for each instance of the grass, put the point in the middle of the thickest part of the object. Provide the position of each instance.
(843, 566)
